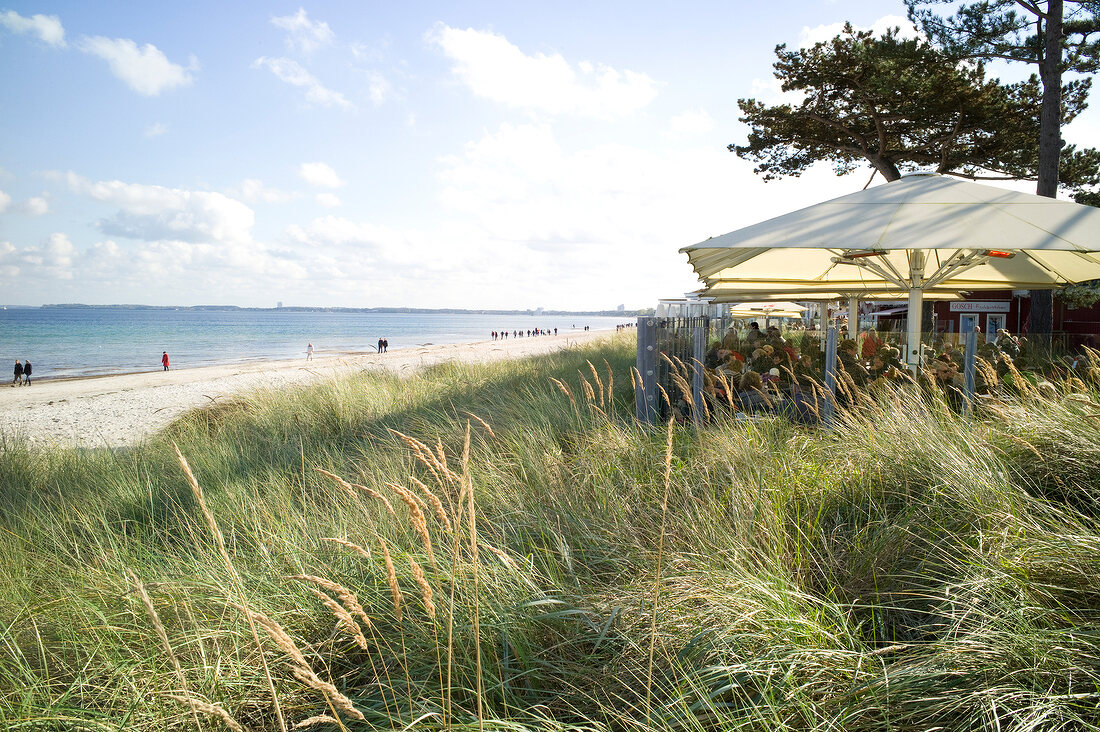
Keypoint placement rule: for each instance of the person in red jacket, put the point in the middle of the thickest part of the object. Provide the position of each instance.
(164, 360)
(871, 344)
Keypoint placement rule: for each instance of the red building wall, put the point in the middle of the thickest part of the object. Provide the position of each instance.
(1075, 326)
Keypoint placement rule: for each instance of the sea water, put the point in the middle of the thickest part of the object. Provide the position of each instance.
(68, 342)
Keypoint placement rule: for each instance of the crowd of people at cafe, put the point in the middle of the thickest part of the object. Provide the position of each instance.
(754, 371)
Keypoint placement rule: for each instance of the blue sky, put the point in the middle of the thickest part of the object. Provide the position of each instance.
(481, 155)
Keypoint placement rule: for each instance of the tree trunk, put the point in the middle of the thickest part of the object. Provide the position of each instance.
(1050, 116)
(887, 168)
(1050, 149)
(928, 318)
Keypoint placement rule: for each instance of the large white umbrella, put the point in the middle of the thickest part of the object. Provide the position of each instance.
(777, 309)
(922, 233)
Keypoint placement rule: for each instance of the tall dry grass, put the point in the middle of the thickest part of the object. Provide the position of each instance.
(908, 569)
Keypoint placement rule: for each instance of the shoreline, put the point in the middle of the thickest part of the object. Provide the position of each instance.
(227, 364)
(118, 410)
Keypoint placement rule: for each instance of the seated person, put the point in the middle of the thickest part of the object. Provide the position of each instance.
(760, 361)
(732, 364)
(1007, 343)
(871, 344)
(806, 372)
(879, 368)
(752, 398)
(849, 359)
(753, 336)
(782, 370)
(713, 357)
(945, 382)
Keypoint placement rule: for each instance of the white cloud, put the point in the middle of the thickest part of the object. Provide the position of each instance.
(303, 34)
(52, 258)
(320, 175)
(340, 231)
(362, 52)
(253, 190)
(48, 28)
(293, 73)
(691, 122)
(156, 129)
(328, 200)
(36, 206)
(152, 271)
(350, 252)
(59, 251)
(146, 70)
(810, 36)
(573, 215)
(148, 212)
(494, 68)
(378, 87)
(8, 268)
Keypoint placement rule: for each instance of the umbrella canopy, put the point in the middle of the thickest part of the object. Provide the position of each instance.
(777, 309)
(722, 294)
(924, 233)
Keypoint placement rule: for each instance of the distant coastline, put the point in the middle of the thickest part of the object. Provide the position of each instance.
(320, 309)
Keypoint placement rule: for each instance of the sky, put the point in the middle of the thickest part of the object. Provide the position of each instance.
(471, 155)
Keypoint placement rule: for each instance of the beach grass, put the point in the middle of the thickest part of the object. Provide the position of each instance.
(503, 547)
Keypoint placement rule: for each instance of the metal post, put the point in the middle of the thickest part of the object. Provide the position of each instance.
(822, 311)
(913, 349)
(969, 370)
(645, 396)
(830, 376)
(700, 327)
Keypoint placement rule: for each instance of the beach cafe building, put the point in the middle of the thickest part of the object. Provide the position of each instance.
(990, 311)
(927, 237)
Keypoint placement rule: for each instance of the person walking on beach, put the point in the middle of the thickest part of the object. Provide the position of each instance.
(385, 345)
(18, 380)
(26, 373)
(380, 342)
(164, 360)
(309, 351)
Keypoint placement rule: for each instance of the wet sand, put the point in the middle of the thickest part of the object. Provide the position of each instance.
(119, 410)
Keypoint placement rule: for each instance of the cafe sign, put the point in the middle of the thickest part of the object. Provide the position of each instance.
(980, 306)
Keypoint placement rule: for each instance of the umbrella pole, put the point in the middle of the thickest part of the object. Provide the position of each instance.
(822, 311)
(913, 322)
(853, 318)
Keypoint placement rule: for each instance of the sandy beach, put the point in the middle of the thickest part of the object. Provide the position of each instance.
(113, 411)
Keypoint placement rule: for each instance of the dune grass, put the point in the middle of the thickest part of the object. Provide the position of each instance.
(549, 564)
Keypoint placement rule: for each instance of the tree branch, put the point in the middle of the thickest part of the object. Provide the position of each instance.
(1031, 7)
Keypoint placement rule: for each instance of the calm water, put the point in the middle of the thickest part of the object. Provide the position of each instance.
(86, 341)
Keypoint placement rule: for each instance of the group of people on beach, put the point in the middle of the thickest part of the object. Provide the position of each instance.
(22, 373)
(502, 334)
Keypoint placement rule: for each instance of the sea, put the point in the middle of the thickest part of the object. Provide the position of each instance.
(89, 341)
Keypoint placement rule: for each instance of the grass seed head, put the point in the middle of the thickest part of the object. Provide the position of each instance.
(437, 504)
(419, 524)
(213, 710)
(343, 616)
(319, 719)
(425, 588)
(349, 598)
(364, 553)
(391, 579)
